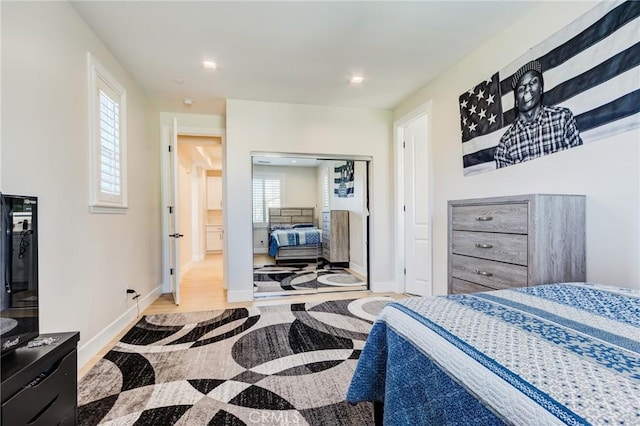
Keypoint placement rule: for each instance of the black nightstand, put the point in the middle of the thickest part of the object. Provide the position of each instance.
(40, 384)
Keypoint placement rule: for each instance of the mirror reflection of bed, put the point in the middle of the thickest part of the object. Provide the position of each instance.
(309, 225)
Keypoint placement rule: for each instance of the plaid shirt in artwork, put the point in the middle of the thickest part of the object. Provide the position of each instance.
(553, 130)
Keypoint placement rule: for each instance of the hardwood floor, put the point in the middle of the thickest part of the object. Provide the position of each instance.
(201, 290)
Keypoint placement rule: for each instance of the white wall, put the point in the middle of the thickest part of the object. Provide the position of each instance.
(606, 171)
(198, 121)
(304, 129)
(86, 260)
(300, 186)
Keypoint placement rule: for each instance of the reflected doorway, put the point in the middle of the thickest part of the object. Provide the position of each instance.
(310, 224)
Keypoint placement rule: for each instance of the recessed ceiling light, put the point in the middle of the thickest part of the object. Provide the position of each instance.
(209, 65)
(356, 79)
(188, 101)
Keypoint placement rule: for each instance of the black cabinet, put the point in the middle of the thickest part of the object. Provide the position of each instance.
(40, 384)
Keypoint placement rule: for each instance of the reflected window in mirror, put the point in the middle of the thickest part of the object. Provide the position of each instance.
(267, 193)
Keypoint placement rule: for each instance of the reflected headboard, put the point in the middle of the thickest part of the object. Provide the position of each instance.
(291, 215)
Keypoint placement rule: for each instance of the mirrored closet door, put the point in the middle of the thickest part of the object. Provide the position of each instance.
(310, 224)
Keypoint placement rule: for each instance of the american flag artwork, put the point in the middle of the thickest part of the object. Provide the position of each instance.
(592, 67)
(343, 180)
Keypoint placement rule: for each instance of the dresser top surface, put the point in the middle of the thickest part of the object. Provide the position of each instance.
(511, 198)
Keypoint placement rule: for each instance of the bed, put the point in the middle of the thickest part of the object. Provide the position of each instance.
(293, 235)
(551, 354)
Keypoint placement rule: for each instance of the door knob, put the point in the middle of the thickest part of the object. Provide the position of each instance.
(176, 235)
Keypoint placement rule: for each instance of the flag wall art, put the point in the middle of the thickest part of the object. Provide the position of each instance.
(343, 180)
(584, 82)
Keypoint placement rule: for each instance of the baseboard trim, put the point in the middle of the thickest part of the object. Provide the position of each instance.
(240, 296)
(358, 269)
(90, 349)
(186, 268)
(384, 287)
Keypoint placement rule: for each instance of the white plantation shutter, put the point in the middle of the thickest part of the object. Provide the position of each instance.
(325, 190)
(258, 201)
(267, 192)
(109, 145)
(107, 115)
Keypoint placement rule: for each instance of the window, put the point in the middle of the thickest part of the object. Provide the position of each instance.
(107, 124)
(325, 190)
(267, 192)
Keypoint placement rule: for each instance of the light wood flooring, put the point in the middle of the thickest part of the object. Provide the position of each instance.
(201, 290)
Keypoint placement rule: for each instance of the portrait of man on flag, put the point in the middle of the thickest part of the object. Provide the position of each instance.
(580, 85)
(538, 129)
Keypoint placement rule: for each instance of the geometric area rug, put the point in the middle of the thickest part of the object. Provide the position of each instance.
(304, 277)
(267, 365)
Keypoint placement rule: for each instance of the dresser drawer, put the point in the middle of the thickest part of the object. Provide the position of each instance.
(48, 401)
(463, 287)
(510, 218)
(326, 216)
(488, 272)
(510, 248)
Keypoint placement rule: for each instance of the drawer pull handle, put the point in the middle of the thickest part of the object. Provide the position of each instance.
(484, 273)
(484, 218)
(484, 245)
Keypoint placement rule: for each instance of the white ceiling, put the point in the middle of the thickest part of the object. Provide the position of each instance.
(298, 52)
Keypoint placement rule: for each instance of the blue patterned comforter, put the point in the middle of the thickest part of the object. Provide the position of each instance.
(544, 355)
(293, 237)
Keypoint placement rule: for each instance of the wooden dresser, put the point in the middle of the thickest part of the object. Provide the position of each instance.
(516, 241)
(335, 236)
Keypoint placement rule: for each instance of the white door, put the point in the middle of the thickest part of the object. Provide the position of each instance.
(174, 246)
(417, 237)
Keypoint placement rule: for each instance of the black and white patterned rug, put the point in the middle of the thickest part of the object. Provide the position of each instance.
(272, 365)
(303, 276)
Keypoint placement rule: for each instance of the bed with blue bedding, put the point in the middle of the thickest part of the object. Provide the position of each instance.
(304, 236)
(293, 235)
(544, 355)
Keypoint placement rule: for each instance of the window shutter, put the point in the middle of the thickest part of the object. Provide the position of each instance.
(258, 197)
(325, 190)
(109, 145)
(267, 192)
(107, 140)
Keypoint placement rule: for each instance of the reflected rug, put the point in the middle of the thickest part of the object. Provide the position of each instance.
(287, 277)
(270, 365)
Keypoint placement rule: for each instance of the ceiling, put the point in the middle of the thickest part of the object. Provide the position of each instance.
(300, 52)
(202, 151)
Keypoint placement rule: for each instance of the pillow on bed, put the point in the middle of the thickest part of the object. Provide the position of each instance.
(281, 226)
(303, 225)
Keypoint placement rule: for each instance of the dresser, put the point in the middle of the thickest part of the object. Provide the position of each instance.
(335, 236)
(39, 384)
(515, 241)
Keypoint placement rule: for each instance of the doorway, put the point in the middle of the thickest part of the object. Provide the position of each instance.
(414, 189)
(190, 210)
(310, 223)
